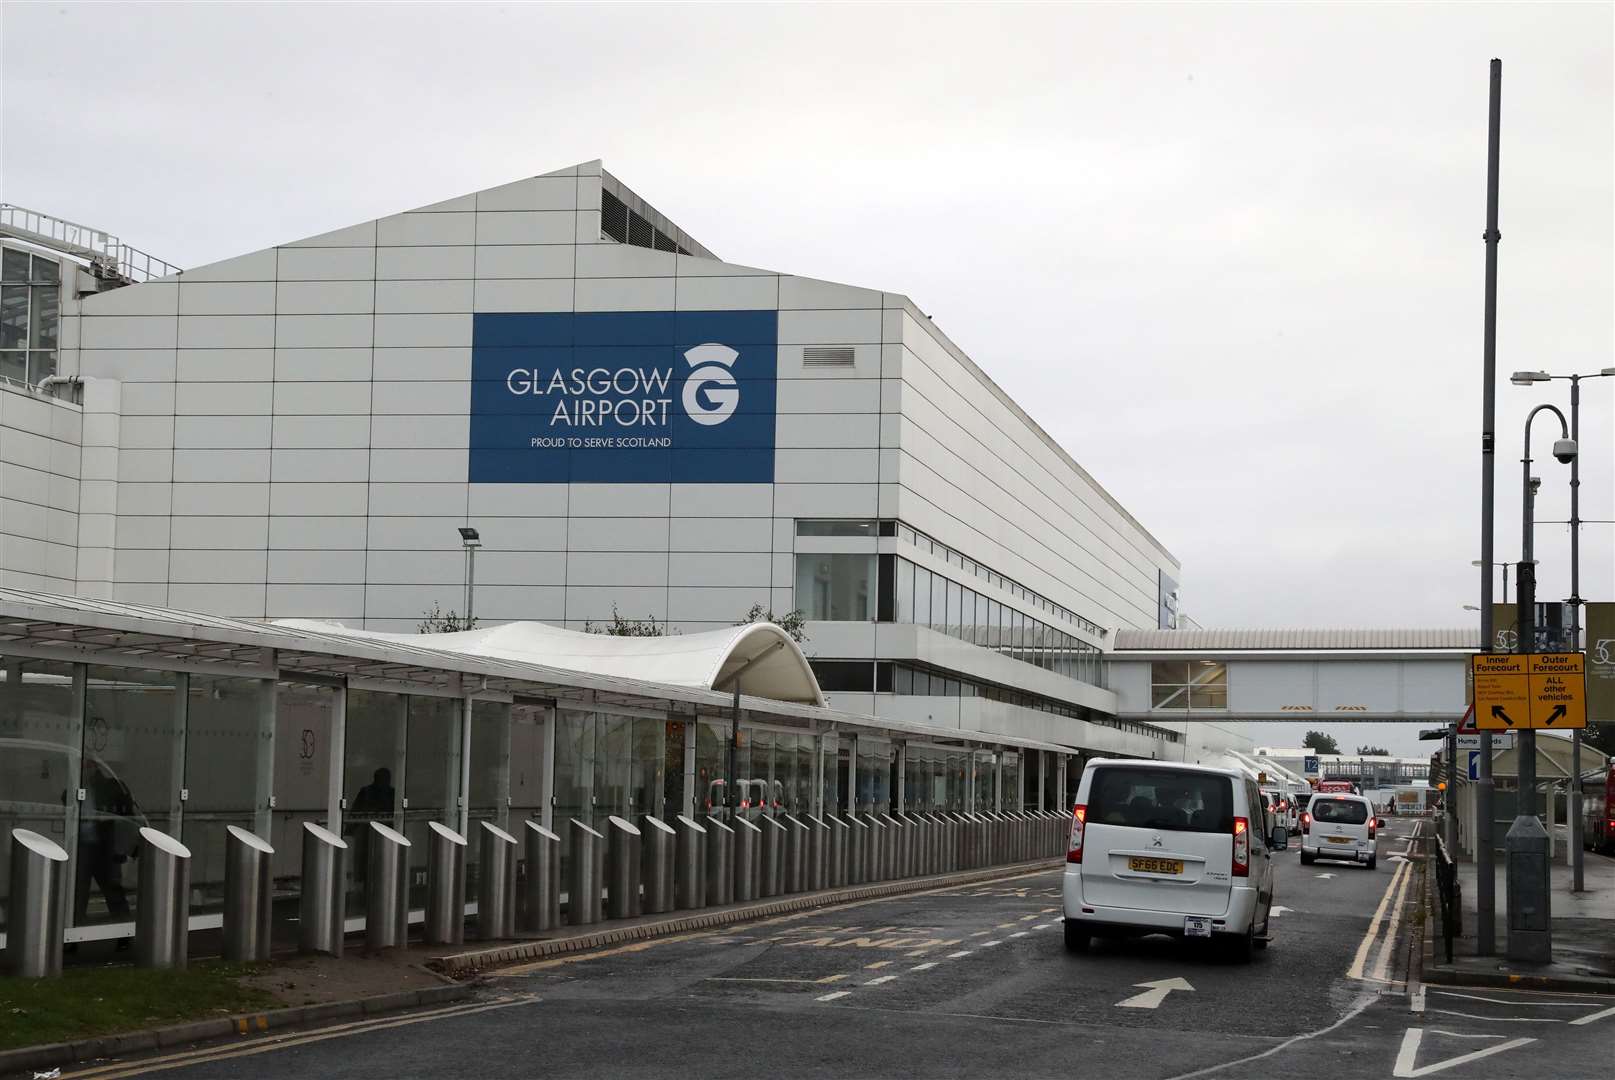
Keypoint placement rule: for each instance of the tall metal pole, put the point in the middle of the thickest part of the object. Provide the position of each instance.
(1573, 795)
(1485, 866)
(470, 584)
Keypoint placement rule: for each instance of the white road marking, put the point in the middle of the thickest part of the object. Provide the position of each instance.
(832, 997)
(1278, 910)
(989, 944)
(1408, 1055)
(1325, 877)
(1499, 1019)
(961, 952)
(1504, 1001)
(1464, 1035)
(1356, 970)
(1416, 1000)
(923, 967)
(1594, 1016)
(1382, 968)
(1363, 1001)
(879, 981)
(1156, 993)
(1022, 933)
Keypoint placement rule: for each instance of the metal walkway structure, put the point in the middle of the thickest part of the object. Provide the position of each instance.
(110, 259)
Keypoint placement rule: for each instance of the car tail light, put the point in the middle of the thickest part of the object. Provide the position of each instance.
(1306, 822)
(1079, 820)
(1242, 847)
(1372, 824)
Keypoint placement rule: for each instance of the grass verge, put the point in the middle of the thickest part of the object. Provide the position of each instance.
(104, 1000)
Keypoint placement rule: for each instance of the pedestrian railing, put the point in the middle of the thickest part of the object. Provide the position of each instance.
(1448, 889)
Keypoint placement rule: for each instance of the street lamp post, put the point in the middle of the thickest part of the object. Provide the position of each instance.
(1503, 566)
(1530, 936)
(470, 539)
(1573, 802)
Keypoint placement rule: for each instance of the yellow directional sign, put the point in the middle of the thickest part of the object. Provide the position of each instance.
(1502, 691)
(1558, 690)
(1514, 691)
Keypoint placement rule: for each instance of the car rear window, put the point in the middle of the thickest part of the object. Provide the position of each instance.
(1339, 811)
(1162, 799)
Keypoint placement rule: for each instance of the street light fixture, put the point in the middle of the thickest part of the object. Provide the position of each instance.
(1504, 566)
(470, 539)
(1471, 607)
(1526, 378)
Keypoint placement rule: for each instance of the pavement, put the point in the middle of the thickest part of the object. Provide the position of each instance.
(973, 980)
(1583, 925)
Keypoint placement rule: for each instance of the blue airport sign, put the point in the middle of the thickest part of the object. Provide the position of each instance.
(1309, 765)
(682, 397)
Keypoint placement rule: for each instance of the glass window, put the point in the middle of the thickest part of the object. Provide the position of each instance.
(939, 603)
(835, 528)
(133, 767)
(43, 316)
(1145, 798)
(14, 365)
(431, 779)
(835, 587)
(303, 724)
(905, 592)
(922, 597)
(488, 796)
(46, 269)
(373, 759)
(40, 733)
(574, 778)
(14, 265)
(527, 725)
(13, 317)
(225, 726)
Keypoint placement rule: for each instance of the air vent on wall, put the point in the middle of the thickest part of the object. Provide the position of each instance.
(827, 356)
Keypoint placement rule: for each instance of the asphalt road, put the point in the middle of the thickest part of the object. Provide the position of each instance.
(975, 981)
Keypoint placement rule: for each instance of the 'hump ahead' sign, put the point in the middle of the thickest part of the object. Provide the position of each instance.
(624, 397)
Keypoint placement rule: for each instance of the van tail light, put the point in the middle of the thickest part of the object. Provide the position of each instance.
(1373, 823)
(1306, 823)
(1242, 847)
(1079, 820)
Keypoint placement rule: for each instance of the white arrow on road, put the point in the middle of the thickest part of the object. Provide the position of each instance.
(1275, 912)
(1326, 877)
(1152, 998)
(1396, 858)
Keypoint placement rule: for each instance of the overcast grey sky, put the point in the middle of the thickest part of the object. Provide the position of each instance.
(1230, 257)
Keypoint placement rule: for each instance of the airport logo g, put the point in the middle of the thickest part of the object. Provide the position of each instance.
(711, 363)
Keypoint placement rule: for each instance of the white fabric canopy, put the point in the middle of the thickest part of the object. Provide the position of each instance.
(769, 662)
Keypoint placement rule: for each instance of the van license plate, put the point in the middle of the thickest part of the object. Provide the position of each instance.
(1155, 866)
(1196, 926)
(1340, 839)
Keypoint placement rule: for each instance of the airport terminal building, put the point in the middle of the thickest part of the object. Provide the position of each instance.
(632, 426)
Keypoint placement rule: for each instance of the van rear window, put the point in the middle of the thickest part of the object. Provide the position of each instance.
(1339, 811)
(1144, 798)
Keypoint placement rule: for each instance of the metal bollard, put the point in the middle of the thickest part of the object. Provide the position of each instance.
(162, 913)
(36, 906)
(691, 865)
(622, 874)
(747, 839)
(541, 892)
(875, 853)
(772, 859)
(896, 847)
(322, 906)
(496, 883)
(818, 853)
(583, 883)
(246, 894)
(857, 850)
(795, 855)
(656, 842)
(445, 885)
(835, 858)
(720, 858)
(386, 888)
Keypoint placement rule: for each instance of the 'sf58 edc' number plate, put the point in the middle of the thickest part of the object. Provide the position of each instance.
(1155, 866)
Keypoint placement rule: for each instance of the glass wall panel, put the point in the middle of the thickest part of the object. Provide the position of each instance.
(956, 616)
(874, 774)
(922, 597)
(837, 588)
(133, 768)
(526, 765)
(304, 720)
(673, 771)
(225, 735)
(761, 794)
(939, 604)
(905, 592)
(574, 778)
(649, 775)
(488, 788)
(613, 768)
(40, 734)
(373, 758)
(711, 749)
(1011, 781)
(431, 779)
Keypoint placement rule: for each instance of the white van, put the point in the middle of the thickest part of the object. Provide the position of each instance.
(1340, 825)
(1162, 848)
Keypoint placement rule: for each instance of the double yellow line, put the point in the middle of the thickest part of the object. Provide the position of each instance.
(282, 1042)
(1398, 888)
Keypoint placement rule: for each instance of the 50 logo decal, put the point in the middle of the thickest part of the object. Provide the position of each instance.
(711, 394)
(1604, 651)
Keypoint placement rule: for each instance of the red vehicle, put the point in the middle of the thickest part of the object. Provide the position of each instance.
(1598, 811)
(1348, 786)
